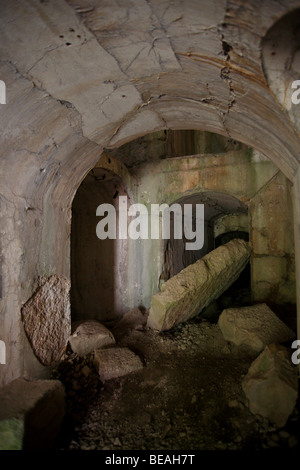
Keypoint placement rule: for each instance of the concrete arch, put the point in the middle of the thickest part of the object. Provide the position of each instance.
(98, 267)
(250, 130)
(70, 97)
(281, 62)
(215, 204)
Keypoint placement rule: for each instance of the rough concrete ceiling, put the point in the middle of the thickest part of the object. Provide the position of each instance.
(117, 70)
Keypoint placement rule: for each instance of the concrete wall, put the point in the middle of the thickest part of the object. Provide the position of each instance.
(272, 239)
(254, 181)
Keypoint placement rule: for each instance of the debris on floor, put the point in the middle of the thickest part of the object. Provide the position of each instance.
(116, 362)
(271, 384)
(90, 335)
(188, 395)
(255, 326)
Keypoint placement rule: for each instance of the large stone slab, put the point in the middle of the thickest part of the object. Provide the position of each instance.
(47, 319)
(191, 290)
(271, 385)
(255, 326)
(31, 414)
(116, 362)
(90, 335)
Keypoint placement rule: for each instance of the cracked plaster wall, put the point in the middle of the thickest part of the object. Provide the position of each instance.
(85, 76)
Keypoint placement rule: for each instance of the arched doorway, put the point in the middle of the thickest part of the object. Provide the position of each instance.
(215, 206)
(98, 267)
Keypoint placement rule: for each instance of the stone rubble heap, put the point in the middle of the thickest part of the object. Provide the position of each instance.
(32, 412)
(109, 360)
(271, 384)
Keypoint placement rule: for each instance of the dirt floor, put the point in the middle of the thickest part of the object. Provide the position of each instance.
(188, 396)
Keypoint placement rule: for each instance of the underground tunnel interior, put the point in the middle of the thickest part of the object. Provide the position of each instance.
(176, 103)
(126, 411)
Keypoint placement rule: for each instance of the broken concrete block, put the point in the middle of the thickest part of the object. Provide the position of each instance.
(255, 326)
(134, 319)
(116, 362)
(31, 414)
(11, 434)
(271, 385)
(196, 286)
(90, 335)
(47, 320)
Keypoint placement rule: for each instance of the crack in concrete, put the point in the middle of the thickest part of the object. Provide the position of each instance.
(225, 75)
(206, 100)
(29, 78)
(107, 50)
(135, 58)
(265, 185)
(153, 14)
(23, 149)
(154, 99)
(131, 114)
(163, 28)
(43, 56)
(15, 196)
